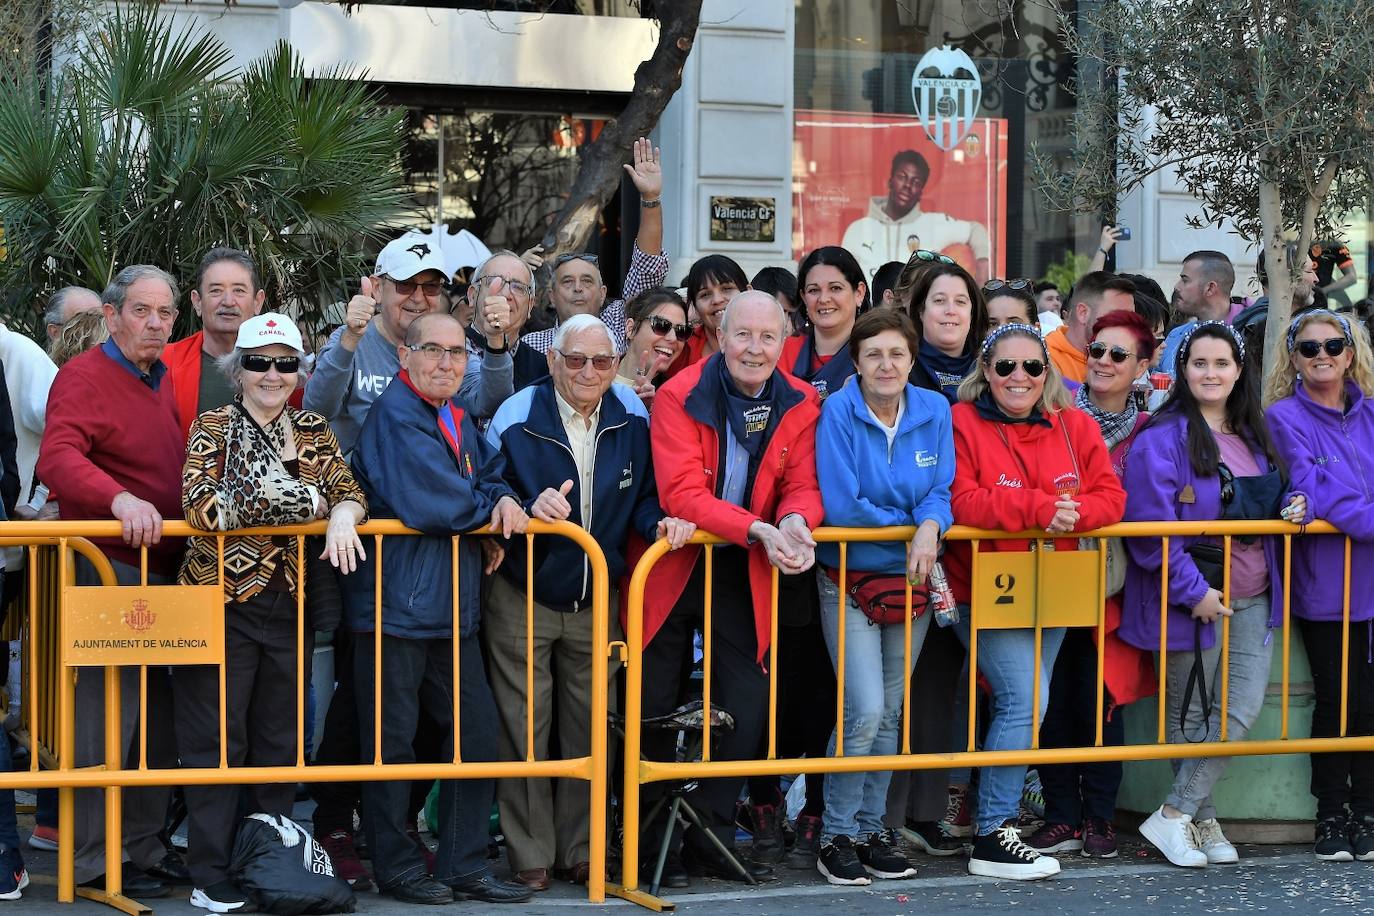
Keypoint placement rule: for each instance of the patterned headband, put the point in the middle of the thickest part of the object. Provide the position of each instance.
(1305, 317)
(1187, 338)
(997, 334)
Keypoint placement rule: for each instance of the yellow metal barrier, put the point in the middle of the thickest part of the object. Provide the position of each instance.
(46, 677)
(1085, 575)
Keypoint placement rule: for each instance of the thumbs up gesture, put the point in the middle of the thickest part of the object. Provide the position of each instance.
(495, 312)
(362, 308)
(552, 505)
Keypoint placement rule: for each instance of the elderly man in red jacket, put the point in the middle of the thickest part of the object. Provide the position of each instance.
(734, 445)
(227, 293)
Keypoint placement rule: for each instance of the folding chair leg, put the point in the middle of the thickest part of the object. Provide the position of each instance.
(666, 844)
(721, 848)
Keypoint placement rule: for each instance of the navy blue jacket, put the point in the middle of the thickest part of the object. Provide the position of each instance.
(530, 434)
(409, 472)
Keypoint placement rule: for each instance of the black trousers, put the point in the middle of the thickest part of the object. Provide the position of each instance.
(738, 685)
(1076, 791)
(806, 691)
(340, 744)
(1341, 778)
(260, 726)
(923, 795)
(416, 674)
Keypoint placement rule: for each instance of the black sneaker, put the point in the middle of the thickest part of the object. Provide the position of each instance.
(1362, 837)
(223, 897)
(932, 838)
(1333, 840)
(1001, 854)
(766, 823)
(880, 857)
(806, 847)
(840, 863)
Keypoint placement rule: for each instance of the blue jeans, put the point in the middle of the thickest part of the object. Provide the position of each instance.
(9, 829)
(874, 679)
(1006, 660)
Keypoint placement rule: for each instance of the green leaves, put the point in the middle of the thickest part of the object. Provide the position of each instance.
(150, 149)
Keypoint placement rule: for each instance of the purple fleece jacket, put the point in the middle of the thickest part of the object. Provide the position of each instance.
(1330, 457)
(1157, 474)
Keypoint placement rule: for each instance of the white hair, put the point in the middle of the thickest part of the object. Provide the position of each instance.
(748, 295)
(581, 322)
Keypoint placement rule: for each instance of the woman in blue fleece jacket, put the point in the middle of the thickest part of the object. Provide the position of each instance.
(884, 456)
(1322, 422)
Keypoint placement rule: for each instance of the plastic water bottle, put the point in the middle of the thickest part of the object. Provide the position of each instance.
(942, 596)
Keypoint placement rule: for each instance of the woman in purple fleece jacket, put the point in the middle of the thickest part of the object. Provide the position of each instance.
(1212, 418)
(1322, 420)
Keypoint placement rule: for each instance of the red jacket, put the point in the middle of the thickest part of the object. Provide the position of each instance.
(990, 490)
(183, 367)
(686, 449)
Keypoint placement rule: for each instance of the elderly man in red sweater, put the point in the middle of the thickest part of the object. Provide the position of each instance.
(113, 448)
(734, 446)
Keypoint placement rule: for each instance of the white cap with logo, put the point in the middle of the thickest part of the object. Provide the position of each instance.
(409, 255)
(269, 328)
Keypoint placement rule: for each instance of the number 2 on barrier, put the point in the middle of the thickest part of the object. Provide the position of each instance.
(1010, 589)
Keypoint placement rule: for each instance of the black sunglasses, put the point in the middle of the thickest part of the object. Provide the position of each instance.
(1097, 350)
(430, 288)
(573, 256)
(661, 326)
(1005, 367)
(925, 254)
(1333, 346)
(256, 362)
(576, 361)
(994, 285)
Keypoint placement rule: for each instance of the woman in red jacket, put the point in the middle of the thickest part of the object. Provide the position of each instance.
(1023, 460)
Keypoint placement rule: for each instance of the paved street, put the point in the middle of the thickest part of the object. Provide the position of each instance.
(1271, 879)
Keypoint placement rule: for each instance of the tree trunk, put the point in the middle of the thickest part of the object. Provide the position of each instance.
(1280, 277)
(656, 79)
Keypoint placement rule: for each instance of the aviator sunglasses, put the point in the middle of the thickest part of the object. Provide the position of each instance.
(256, 362)
(1333, 346)
(1005, 367)
(1097, 350)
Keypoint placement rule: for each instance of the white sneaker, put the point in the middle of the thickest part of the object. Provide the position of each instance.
(1214, 844)
(1175, 837)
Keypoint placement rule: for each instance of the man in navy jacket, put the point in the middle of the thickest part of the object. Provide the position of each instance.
(576, 447)
(421, 460)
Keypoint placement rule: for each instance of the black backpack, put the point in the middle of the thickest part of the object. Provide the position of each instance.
(281, 867)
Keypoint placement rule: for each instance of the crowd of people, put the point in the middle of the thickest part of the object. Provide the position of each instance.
(754, 410)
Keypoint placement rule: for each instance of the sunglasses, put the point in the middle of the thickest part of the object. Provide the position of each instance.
(576, 361)
(256, 362)
(993, 286)
(1309, 349)
(925, 254)
(573, 256)
(1097, 350)
(1005, 367)
(661, 326)
(430, 288)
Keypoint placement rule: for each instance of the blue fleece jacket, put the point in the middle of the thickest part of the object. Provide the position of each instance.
(410, 472)
(1330, 457)
(530, 435)
(866, 484)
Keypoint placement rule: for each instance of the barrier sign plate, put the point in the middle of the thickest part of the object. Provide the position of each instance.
(1010, 589)
(143, 625)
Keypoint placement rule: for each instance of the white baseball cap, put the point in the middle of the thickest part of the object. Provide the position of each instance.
(269, 328)
(409, 255)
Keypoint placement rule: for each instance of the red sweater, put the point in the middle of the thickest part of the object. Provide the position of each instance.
(990, 490)
(108, 432)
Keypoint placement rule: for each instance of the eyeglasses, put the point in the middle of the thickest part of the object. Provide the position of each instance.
(1005, 367)
(434, 353)
(576, 361)
(1309, 349)
(1097, 350)
(256, 362)
(430, 288)
(925, 254)
(567, 256)
(661, 326)
(515, 286)
(994, 285)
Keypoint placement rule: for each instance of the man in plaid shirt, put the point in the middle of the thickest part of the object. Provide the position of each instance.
(577, 285)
